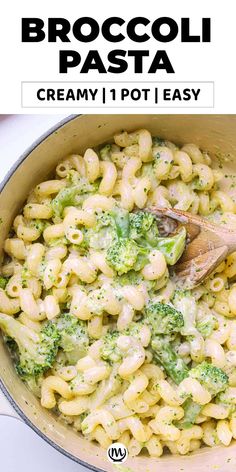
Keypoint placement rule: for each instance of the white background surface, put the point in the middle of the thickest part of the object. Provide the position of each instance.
(191, 61)
(21, 450)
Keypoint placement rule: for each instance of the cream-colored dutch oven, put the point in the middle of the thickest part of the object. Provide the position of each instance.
(214, 133)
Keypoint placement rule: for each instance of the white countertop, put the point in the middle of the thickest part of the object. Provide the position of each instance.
(21, 449)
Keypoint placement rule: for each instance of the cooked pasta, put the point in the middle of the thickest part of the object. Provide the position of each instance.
(98, 323)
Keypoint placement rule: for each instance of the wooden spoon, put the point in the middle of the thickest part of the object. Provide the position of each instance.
(208, 245)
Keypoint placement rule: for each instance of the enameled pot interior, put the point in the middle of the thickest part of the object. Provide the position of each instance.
(214, 133)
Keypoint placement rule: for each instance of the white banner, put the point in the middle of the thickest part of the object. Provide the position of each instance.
(117, 94)
(135, 59)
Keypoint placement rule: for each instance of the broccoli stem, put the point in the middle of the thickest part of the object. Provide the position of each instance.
(36, 351)
(22, 335)
(121, 218)
(165, 355)
(191, 411)
(65, 197)
(105, 153)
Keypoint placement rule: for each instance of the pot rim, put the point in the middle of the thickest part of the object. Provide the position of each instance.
(3, 388)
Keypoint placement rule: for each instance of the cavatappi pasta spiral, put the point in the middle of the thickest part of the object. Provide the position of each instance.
(97, 322)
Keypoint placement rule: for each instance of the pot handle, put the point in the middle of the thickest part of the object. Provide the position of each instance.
(5, 407)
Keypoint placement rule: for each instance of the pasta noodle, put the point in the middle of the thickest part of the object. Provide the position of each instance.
(113, 342)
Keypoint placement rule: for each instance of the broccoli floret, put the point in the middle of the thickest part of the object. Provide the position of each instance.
(103, 234)
(132, 278)
(109, 350)
(163, 318)
(69, 196)
(122, 255)
(213, 378)
(164, 354)
(165, 321)
(143, 228)
(36, 351)
(110, 226)
(3, 282)
(84, 186)
(172, 247)
(206, 325)
(74, 339)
